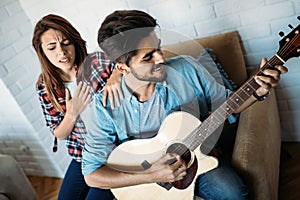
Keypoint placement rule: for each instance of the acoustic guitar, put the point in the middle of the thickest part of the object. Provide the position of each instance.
(183, 134)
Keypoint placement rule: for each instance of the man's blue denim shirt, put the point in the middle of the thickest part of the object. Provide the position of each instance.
(189, 87)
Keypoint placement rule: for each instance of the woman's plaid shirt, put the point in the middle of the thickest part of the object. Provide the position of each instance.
(101, 69)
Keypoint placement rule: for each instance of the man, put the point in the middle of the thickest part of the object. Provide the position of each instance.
(155, 87)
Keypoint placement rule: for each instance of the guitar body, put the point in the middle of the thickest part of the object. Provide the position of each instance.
(131, 156)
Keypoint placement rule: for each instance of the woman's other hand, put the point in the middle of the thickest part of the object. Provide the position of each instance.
(113, 90)
(78, 103)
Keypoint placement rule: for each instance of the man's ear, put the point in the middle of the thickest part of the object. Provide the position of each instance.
(123, 68)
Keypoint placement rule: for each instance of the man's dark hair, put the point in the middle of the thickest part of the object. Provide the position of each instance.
(121, 32)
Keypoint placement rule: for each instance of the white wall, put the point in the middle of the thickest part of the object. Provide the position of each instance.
(257, 21)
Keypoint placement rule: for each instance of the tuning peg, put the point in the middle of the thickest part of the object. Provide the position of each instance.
(281, 34)
(291, 27)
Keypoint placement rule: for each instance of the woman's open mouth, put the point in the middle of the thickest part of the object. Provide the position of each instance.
(65, 60)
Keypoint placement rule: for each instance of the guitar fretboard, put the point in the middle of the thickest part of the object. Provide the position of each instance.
(236, 100)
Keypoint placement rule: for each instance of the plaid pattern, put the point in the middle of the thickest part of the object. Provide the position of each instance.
(101, 69)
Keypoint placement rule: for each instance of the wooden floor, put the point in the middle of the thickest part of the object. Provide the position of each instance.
(289, 186)
(46, 187)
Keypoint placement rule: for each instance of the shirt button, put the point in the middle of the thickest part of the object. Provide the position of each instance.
(135, 111)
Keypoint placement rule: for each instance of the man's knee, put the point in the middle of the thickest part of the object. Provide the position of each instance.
(211, 186)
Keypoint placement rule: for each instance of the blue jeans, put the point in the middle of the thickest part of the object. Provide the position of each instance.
(221, 183)
(74, 187)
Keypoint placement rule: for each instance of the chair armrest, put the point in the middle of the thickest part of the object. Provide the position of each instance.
(256, 153)
(14, 183)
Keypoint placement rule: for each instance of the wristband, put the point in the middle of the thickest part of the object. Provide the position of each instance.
(262, 97)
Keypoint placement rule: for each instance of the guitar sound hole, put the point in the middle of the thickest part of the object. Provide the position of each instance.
(181, 150)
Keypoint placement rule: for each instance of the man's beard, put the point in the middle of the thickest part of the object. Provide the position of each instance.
(155, 78)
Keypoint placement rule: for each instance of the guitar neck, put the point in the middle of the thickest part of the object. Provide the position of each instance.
(235, 101)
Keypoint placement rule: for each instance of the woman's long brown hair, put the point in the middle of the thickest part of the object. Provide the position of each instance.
(51, 74)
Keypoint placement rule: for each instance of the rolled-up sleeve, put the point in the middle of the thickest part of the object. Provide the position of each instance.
(52, 116)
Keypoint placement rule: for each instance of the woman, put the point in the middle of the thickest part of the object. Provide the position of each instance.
(61, 52)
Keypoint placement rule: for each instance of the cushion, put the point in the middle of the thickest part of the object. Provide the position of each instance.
(209, 61)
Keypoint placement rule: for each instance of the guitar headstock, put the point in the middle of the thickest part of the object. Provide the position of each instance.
(290, 44)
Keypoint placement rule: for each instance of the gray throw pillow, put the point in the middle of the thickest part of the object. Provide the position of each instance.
(209, 61)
